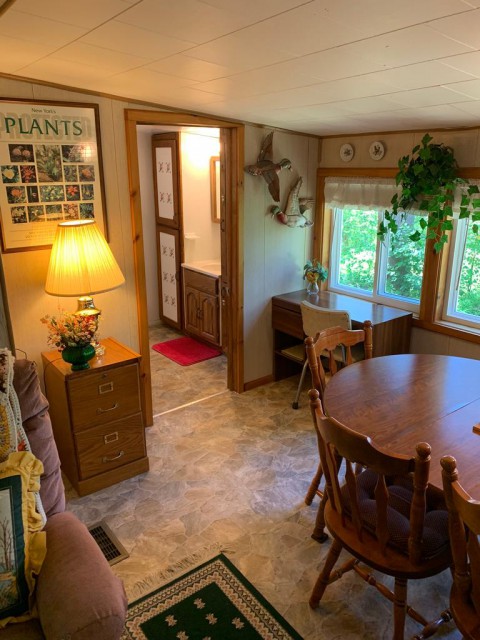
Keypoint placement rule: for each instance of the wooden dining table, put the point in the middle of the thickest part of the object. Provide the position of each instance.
(401, 400)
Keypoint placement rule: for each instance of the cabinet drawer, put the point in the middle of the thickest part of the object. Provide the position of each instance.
(200, 281)
(98, 397)
(109, 446)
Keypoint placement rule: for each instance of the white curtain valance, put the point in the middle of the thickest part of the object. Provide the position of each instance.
(373, 194)
(366, 194)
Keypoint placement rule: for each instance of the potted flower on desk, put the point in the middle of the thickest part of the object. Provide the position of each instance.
(313, 271)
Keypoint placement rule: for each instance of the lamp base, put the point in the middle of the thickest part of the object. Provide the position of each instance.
(87, 308)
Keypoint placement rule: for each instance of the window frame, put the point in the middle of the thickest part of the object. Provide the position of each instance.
(379, 276)
(432, 299)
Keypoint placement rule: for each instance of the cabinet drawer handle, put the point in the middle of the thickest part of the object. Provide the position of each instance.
(107, 459)
(100, 410)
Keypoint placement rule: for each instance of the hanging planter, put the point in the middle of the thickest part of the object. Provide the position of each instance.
(428, 179)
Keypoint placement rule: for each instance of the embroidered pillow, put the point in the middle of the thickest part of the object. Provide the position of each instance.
(22, 543)
(12, 433)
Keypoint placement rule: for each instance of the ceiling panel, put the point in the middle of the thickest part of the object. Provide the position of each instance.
(318, 66)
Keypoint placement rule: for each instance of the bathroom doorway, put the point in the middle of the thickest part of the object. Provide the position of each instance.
(182, 249)
(231, 141)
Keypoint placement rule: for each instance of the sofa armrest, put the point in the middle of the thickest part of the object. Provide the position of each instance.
(78, 595)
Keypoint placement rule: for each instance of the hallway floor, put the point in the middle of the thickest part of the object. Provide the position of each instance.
(229, 474)
(174, 385)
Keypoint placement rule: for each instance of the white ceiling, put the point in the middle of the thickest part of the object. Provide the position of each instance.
(320, 66)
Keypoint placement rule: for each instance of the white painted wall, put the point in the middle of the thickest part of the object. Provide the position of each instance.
(467, 152)
(274, 254)
(201, 234)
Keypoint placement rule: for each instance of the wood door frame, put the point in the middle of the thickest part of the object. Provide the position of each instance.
(232, 295)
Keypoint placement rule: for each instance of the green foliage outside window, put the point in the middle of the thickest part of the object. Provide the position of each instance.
(469, 288)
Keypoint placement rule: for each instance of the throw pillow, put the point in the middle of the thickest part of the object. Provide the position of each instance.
(22, 543)
(12, 433)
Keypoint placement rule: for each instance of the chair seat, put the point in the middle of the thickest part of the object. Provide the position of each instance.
(297, 353)
(435, 533)
(393, 562)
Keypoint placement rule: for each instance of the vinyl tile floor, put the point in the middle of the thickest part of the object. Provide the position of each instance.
(229, 473)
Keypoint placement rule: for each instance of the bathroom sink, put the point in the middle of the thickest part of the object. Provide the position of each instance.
(212, 268)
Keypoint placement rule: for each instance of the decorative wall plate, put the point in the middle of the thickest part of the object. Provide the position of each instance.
(376, 150)
(347, 152)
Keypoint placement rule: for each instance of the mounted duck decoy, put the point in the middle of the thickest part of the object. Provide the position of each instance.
(294, 213)
(268, 169)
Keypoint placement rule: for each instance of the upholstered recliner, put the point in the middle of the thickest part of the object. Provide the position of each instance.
(78, 596)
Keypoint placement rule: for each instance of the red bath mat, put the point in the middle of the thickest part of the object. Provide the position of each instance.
(186, 351)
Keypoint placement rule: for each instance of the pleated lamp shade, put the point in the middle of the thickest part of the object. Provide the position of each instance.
(81, 262)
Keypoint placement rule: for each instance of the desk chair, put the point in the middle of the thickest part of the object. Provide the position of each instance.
(464, 526)
(314, 319)
(356, 344)
(382, 512)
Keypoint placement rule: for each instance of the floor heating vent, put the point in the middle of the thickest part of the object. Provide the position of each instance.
(109, 544)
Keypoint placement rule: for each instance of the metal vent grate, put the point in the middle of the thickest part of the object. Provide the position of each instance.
(109, 544)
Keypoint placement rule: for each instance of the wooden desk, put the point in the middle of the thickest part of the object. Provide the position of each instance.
(391, 326)
(401, 400)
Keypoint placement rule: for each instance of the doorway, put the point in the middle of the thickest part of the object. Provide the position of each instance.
(231, 288)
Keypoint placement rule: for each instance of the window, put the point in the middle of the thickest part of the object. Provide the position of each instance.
(463, 284)
(360, 264)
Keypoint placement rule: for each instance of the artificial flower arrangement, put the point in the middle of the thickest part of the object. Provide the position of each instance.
(314, 271)
(70, 330)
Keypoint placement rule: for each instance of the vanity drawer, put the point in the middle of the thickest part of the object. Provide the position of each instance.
(106, 447)
(103, 396)
(200, 281)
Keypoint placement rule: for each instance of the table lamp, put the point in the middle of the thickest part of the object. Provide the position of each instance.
(81, 264)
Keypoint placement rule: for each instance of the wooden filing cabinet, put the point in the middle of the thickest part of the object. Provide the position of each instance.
(97, 418)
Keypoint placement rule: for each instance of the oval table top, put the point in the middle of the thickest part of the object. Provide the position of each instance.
(400, 400)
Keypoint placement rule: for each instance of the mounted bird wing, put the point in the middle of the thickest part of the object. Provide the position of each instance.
(266, 150)
(267, 168)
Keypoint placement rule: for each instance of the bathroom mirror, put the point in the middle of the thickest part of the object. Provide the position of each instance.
(215, 187)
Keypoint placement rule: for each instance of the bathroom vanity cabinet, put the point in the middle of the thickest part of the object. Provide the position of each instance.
(201, 304)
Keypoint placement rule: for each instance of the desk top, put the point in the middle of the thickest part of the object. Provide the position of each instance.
(359, 310)
(404, 399)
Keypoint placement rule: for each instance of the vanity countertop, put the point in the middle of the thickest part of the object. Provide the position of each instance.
(209, 267)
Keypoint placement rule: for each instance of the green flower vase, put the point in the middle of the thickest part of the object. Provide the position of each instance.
(79, 357)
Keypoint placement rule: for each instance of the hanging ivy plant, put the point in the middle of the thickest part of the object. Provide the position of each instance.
(428, 179)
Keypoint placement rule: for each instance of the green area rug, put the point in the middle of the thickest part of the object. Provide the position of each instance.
(212, 602)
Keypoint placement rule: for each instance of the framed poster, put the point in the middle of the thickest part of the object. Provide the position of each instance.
(50, 170)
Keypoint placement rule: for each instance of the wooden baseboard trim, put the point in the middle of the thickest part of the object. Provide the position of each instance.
(259, 382)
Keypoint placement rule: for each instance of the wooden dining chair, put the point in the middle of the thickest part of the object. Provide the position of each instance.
(325, 345)
(464, 527)
(382, 512)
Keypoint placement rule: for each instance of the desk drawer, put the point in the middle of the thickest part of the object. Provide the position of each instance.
(100, 397)
(288, 322)
(109, 446)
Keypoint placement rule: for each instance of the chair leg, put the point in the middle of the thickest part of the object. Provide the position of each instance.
(399, 608)
(319, 531)
(300, 385)
(313, 489)
(323, 579)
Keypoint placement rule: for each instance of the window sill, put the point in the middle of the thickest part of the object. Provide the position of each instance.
(450, 329)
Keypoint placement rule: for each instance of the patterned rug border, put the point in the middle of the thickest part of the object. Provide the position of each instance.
(159, 579)
(286, 630)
